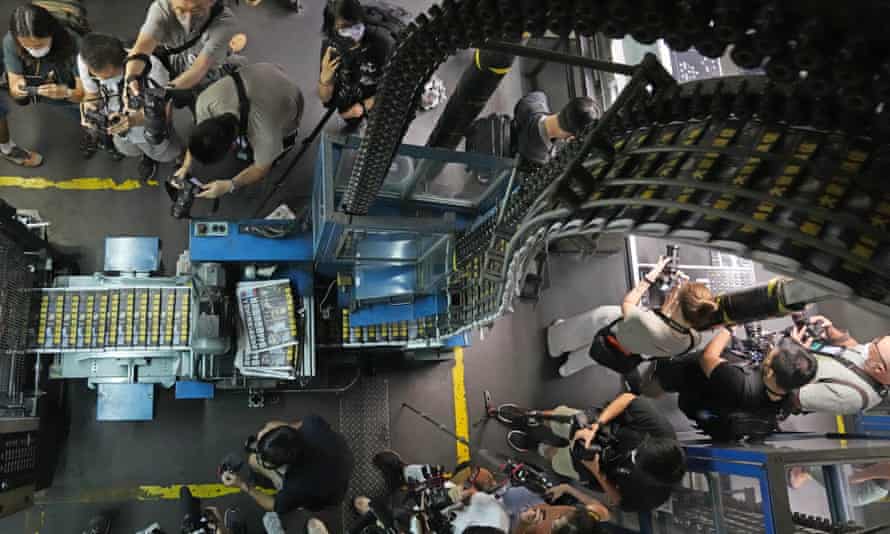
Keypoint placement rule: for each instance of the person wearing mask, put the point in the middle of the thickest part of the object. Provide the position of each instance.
(101, 66)
(538, 129)
(479, 510)
(353, 56)
(308, 462)
(711, 385)
(634, 330)
(263, 118)
(39, 54)
(191, 37)
(639, 459)
(851, 376)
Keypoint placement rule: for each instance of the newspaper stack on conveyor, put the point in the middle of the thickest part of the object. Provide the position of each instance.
(269, 344)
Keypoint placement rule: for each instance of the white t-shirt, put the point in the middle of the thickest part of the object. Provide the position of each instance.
(484, 510)
(644, 332)
(112, 89)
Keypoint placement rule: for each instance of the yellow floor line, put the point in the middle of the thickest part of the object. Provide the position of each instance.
(461, 421)
(141, 493)
(841, 428)
(74, 184)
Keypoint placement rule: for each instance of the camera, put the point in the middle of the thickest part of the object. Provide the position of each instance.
(426, 486)
(194, 518)
(671, 271)
(155, 109)
(100, 122)
(527, 475)
(184, 198)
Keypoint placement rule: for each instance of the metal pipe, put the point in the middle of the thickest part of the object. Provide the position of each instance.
(557, 57)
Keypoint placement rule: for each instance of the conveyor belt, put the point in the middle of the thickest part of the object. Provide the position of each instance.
(110, 319)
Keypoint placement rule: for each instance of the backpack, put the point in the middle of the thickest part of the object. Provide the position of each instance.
(393, 19)
(737, 426)
(71, 13)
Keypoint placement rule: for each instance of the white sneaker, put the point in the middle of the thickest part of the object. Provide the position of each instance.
(550, 342)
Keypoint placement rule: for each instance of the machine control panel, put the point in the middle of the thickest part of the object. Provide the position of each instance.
(211, 229)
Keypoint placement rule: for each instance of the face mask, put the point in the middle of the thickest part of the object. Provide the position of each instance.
(185, 21)
(354, 32)
(39, 52)
(114, 80)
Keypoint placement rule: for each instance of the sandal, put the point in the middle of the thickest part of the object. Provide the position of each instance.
(25, 158)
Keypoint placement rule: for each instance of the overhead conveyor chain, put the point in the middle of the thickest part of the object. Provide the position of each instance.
(807, 202)
(843, 49)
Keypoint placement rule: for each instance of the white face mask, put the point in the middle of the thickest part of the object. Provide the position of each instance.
(114, 80)
(185, 21)
(354, 32)
(39, 52)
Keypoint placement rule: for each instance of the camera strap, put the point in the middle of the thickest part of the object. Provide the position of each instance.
(243, 104)
(677, 327)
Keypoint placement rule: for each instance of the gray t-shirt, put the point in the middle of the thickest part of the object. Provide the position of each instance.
(834, 397)
(276, 105)
(161, 24)
(644, 332)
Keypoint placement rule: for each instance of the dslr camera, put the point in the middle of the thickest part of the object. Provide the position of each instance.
(184, 197)
(426, 486)
(100, 122)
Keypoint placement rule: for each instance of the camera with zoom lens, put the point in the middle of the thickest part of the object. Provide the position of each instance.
(604, 442)
(528, 476)
(184, 197)
(100, 122)
(155, 109)
(194, 518)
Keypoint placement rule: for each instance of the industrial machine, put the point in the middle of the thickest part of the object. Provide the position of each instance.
(405, 251)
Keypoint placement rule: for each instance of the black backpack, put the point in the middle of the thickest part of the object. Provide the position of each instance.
(737, 426)
(393, 19)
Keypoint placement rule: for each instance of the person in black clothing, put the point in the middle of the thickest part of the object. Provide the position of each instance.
(711, 384)
(353, 56)
(308, 463)
(628, 450)
(537, 127)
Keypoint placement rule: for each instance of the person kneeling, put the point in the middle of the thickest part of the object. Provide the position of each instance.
(254, 109)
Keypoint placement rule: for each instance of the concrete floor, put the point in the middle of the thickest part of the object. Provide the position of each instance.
(187, 438)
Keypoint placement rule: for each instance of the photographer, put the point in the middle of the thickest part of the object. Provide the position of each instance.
(353, 56)
(260, 114)
(632, 330)
(713, 385)
(101, 65)
(191, 37)
(851, 376)
(479, 510)
(307, 462)
(537, 127)
(39, 54)
(629, 451)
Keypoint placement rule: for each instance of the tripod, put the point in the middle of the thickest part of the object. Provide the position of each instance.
(307, 142)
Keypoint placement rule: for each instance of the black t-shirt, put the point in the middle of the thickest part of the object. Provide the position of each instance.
(321, 479)
(527, 113)
(639, 491)
(363, 66)
(730, 388)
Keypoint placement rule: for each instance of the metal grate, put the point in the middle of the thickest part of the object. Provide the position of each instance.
(364, 421)
(15, 279)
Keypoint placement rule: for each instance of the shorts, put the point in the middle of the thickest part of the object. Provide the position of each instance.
(562, 460)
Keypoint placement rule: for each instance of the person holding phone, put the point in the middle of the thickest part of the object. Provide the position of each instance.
(40, 58)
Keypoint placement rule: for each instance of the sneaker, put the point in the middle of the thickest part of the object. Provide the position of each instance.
(25, 158)
(88, 145)
(98, 525)
(147, 168)
(518, 440)
(512, 415)
(362, 505)
(315, 526)
(234, 521)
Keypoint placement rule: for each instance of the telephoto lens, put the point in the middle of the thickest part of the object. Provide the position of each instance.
(155, 108)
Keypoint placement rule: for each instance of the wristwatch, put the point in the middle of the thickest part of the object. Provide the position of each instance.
(232, 186)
